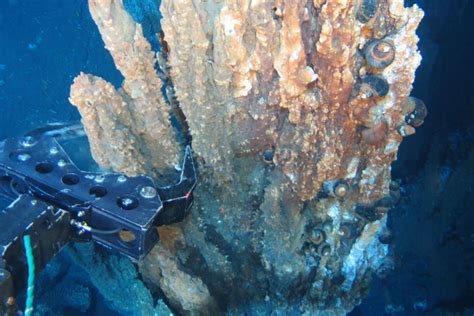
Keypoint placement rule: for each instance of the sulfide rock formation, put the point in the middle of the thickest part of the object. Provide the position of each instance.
(295, 111)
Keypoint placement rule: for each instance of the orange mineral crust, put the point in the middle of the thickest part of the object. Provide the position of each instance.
(295, 111)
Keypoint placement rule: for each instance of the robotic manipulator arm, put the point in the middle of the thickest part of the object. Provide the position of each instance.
(54, 202)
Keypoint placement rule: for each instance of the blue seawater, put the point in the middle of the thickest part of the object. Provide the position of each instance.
(45, 44)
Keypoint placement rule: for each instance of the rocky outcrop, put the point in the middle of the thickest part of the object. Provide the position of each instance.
(296, 110)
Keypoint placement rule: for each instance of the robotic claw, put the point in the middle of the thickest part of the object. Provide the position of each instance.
(54, 203)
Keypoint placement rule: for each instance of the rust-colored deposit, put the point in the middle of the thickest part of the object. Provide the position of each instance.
(296, 110)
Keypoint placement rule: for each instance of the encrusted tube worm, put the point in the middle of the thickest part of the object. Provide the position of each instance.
(138, 110)
(105, 118)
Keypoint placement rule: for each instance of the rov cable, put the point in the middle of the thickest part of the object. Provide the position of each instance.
(31, 275)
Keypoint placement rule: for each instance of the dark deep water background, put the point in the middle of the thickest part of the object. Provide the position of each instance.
(45, 44)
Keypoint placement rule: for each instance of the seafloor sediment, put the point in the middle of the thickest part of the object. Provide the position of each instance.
(295, 111)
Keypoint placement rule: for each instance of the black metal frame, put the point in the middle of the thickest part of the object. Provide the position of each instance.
(54, 202)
